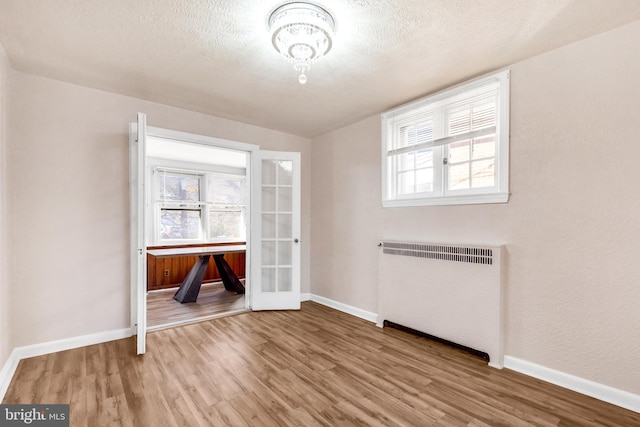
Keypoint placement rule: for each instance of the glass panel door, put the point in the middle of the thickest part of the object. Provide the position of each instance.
(276, 231)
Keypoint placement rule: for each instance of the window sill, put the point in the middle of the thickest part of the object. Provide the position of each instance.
(469, 199)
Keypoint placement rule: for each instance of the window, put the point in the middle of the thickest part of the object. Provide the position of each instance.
(227, 195)
(449, 148)
(179, 207)
(199, 207)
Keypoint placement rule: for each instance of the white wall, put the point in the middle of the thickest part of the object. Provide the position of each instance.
(571, 227)
(6, 335)
(68, 161)
(346, 223)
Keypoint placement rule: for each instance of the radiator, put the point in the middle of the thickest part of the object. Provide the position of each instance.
(449, 291)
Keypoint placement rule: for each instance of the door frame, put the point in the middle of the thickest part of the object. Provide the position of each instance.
(137, 215)
(155, 132)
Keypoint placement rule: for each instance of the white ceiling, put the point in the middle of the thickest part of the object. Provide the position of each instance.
(216, 57)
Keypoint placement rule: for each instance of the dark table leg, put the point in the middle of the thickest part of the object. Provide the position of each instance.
(190, 288)
(229, 278)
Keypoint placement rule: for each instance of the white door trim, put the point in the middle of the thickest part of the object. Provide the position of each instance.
(138, 299)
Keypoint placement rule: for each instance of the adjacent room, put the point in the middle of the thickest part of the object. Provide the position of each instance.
(333, 212)
(197, 200)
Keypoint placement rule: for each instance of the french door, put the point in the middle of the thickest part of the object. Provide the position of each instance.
(137, 168)
(273, 246)
(275, 231)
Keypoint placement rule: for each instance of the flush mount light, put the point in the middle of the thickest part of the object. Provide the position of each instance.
(303, 33)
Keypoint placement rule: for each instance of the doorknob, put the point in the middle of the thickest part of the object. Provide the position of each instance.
(296, 240)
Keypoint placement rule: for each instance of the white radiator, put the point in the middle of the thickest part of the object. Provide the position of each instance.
(450, 291)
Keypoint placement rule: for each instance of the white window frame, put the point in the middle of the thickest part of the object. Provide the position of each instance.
(220, 207)
(200, 171)
(179, 205)
(391, 121)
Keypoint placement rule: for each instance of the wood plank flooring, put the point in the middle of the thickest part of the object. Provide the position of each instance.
(313, 367)
(213, 300)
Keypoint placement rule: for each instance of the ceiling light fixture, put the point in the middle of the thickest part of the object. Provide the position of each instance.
(303, 33)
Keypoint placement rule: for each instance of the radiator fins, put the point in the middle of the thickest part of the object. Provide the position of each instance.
(440, 252)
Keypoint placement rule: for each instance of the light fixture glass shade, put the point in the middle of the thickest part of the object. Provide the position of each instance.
(302, 33)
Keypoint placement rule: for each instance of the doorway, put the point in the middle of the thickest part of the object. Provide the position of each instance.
(272, 250)
(197, 199)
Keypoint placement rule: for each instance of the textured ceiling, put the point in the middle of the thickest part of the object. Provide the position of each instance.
(215, 56)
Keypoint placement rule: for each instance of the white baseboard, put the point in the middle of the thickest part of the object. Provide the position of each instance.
(24, 352)
(69, 343)
(305, 297)
(6, 374)
(349, 309)
(596, 390)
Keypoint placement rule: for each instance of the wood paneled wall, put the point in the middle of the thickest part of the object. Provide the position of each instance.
(178, 267)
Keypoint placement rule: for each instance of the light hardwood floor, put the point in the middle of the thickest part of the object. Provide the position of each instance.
(213, 300)
(310, 367)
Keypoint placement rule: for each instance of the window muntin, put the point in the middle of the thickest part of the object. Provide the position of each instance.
(450, 147)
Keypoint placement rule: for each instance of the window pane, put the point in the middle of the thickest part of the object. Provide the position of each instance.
(407, 136)
(285, 225)
(424, 132)
(285, 281)
(407, 161)
(285, 172)
(269, 199)
(424, 180)
(269, 172)
(406, 182)
(484, 147)
(179, 224)
(483, 173)
(285, 250)
(424, 158)
(285, 199)
(416, 133)
(484, 114)
(226, 225)
(268, 252)
(479, 114)
(459, 121)
(225, 189)
(459, 151)
(268, 226)
(268, 279)
(459, 176)
(179, 188)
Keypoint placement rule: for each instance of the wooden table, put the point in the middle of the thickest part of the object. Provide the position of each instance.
(190, 288)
